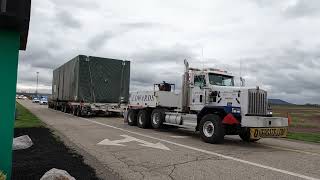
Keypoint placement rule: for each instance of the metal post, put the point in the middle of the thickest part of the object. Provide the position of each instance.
(37, 84)
(9, 53)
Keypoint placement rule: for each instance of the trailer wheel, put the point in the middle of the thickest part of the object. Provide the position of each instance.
(211, 129)
(79, 113)
(62, 108)
(143, 119)
(74, 110)
(65, 109)
(132, 117)
(245, 136)
(157, 118)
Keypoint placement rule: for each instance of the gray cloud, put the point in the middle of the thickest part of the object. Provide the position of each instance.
(287, 73)
(171, 54)
(135, 25)
(157, 40)
(66, 19)
(303, 8)
(79, 4)
(99, 40)
(157, 65)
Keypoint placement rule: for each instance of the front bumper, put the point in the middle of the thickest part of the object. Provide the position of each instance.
(263, 122)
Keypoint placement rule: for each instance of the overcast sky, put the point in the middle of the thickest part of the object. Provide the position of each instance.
(277, 41)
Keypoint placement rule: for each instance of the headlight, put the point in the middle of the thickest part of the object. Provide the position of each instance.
(236, 110)
(269, 112)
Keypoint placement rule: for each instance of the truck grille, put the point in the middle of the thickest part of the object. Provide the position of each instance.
(258, 103)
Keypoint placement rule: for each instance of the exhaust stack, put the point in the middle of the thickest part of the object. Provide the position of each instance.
(185, 88)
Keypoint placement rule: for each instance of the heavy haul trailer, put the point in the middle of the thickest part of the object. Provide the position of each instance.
(88, 85)
(210, 103)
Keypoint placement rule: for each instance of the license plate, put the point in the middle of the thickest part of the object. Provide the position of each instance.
(256, 133)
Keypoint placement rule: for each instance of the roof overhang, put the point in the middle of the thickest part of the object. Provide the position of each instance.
(16, 17)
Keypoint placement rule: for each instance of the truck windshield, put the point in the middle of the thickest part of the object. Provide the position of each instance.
(221, 80)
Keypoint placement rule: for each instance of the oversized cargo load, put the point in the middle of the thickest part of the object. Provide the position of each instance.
(92, 79)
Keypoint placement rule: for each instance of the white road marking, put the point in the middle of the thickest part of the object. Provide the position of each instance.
(179, 137)
(293, 150)
(127, 139)
(210, 152)
(286, 149)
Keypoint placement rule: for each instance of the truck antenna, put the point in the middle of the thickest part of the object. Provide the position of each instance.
(240, 68)
(242, 80)
(202, 58)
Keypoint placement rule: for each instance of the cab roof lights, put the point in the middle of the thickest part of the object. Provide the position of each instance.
(209, 69)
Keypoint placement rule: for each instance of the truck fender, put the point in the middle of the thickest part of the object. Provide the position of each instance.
(210, 110)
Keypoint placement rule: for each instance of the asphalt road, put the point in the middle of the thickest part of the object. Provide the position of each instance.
(134, 153)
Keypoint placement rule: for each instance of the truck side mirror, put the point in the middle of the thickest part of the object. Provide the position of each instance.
(242, 82)
(202, 86)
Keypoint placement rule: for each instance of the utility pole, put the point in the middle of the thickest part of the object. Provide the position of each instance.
(37, 84)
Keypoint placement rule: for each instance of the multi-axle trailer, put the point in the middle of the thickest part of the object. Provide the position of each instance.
(87, 86)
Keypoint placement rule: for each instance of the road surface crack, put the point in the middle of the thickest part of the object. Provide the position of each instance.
(174, 166)
(126, 162)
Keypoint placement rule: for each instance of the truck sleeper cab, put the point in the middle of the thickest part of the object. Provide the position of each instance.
(210, 103)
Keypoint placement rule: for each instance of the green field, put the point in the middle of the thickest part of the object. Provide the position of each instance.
(305, 121)
(25, 119)
(310, 137)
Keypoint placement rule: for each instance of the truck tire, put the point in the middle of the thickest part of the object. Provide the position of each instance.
(157, 118)
(211, 129)
(245, 136)
(143, 119)
(132, 117)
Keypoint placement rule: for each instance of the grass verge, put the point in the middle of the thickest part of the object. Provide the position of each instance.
(47, 151)
(309, 137)
(26, 119)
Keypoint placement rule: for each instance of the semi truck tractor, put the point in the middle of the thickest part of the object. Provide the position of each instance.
(210, 103)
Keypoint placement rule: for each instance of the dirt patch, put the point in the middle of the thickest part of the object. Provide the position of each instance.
(304, 118)
(47, 152)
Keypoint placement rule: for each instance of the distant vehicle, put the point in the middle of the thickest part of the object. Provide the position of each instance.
(20, 97)
(43, 101)
(25, 98)
(35, 100)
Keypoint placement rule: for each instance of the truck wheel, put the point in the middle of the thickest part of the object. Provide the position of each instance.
(211, 129)
(143, 119)
(132, 117)
(157, 118)
(245, 136)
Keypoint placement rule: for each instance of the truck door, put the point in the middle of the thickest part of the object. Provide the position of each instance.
(197, 100)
